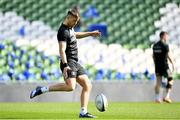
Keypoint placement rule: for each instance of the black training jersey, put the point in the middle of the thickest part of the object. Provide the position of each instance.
(160, 53)
(67, 34)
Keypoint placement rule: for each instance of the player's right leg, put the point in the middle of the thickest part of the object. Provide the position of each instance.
(157, 88)
(36, 92)
(69, 85)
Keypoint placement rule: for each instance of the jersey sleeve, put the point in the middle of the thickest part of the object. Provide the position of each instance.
(63, 35)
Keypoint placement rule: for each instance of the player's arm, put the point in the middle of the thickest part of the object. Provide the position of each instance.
(62, 48)
(153, 57)
(171, 60)
(62, 37)
(86, 34)
(153, 54)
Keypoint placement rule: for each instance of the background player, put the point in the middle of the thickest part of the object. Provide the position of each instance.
(161, 55)
(72, 71)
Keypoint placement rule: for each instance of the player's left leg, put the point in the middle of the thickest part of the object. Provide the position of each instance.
(86, 85)
(168, 87)
(68, 86)
(168, 91)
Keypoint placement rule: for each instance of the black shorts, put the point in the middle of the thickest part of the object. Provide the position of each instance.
(164, 72)
(76, 69)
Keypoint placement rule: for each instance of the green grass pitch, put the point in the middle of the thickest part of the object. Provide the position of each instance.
(70, 111)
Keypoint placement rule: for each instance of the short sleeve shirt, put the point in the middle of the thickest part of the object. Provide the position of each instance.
(160, 53)
(67, 35)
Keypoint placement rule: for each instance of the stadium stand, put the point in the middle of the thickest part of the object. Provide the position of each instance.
(26, 63)
(169, 22)
(126, 22)
(29, 51)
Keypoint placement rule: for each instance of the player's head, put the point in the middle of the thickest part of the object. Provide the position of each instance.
(164, 36)
(72, 18)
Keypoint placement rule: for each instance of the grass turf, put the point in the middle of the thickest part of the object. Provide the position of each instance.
(118, 110)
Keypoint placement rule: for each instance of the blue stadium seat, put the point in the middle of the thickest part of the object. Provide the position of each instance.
(44, 75)
(120, 76)
(4, 77)
(20, 77)
(100, 74)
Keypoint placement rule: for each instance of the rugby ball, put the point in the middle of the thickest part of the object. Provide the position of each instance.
(101, 102)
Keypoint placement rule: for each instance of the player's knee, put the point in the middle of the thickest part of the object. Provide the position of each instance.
(170, 83)
(88, 86)
(71, 88)
(157, 86)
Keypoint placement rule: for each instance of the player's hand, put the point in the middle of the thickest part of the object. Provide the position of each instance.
(95, 33)
(65, 72)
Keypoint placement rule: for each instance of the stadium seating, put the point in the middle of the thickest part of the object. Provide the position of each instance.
(29, 49)
(168, 22)
(26, 63)
(126, 20)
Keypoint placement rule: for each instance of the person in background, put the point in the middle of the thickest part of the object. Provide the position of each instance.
(161, 55)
